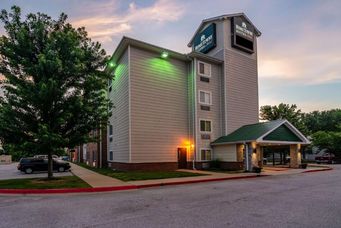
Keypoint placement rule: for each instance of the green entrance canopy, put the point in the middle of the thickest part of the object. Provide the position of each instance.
(272, 132)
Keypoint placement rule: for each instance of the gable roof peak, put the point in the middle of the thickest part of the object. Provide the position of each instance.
(222, 17)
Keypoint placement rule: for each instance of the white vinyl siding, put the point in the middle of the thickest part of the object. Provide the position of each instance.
(159, 106)
(226, 153)
(119, 141)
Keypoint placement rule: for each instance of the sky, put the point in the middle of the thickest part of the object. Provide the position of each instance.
(299, 52)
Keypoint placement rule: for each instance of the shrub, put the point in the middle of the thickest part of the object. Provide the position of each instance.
(215, 164)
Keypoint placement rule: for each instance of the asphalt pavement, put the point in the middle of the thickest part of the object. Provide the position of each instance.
(10, 171)
(299, 200)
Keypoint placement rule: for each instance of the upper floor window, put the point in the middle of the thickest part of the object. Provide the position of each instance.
(204, 69)
(110, 130)
(205, 126)
(205, 97)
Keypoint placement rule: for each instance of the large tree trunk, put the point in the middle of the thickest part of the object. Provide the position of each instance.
(50, 165)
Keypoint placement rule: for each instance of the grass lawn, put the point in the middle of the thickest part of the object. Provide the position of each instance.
(140, 175)
(44, 183)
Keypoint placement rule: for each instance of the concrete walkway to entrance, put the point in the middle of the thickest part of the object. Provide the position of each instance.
(95, 179)
(99, 180)
(282, 170)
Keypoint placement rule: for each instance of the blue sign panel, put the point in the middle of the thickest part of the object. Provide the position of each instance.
(206, 40)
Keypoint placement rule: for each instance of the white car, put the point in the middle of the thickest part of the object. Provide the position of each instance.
(45, 156)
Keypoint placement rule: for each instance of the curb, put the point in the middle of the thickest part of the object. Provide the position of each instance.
(117, 188)
(66, 190)
(317, 170)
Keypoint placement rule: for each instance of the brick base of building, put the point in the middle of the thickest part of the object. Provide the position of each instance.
(222, 165)
(232, 165)
(170, 166)
(150, 166)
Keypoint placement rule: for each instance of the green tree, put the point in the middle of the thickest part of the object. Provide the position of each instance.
(283, 111)
(328, 140)
(323, 120)
(54, 84)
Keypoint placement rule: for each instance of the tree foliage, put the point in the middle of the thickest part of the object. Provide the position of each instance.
(328, 140)
(283, 111)
(323, 120)
(54, 83)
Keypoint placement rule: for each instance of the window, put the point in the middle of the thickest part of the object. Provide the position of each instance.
(110, 133)
(205, 97)
(111, 155)
(110, 130)
(204, 69)
(206, 154)
(205, 125)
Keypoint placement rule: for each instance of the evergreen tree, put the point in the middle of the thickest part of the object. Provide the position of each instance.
(54, 84)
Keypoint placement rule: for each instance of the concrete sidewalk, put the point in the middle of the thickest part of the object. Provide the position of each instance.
(95, 179)
(208, 176)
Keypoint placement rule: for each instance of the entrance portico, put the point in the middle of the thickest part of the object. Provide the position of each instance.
(250, 140)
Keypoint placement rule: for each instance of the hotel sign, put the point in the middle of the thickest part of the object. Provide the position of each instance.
(206, 40)
(243, 34)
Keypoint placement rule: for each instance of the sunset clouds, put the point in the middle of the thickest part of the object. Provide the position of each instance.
(106, 21)
(299, 58)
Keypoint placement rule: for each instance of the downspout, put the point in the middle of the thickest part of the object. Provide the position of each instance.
(194, 93)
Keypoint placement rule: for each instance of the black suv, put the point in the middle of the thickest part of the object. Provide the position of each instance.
(29, 165)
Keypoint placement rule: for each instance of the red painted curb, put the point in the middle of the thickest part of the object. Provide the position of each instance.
(317, 170)
(66, 190)
(196, 181)
(116, 188)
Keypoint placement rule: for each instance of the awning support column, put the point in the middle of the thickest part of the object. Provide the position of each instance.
(295, 156)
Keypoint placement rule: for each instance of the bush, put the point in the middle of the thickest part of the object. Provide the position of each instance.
(215, 164)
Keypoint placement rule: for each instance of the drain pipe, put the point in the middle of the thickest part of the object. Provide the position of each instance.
(194, 94)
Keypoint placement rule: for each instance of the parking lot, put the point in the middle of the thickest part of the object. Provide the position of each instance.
(10, 171)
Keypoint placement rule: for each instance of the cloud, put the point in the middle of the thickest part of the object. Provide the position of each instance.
(105, 21)
(307, 53)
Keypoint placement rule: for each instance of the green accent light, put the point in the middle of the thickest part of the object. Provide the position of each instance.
(111, 64)
(164, 54)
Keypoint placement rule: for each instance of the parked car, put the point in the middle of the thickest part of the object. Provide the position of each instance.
(29, 165)
(326, 158)
(64, 158)
(44, 156)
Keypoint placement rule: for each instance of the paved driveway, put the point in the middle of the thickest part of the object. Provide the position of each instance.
(300, 200)
(10, 171)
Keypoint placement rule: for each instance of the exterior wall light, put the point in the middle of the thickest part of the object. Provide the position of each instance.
(164, 54)
(111, 64)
